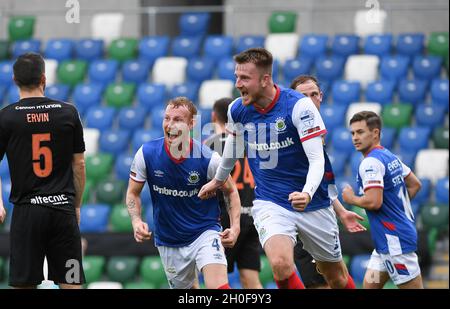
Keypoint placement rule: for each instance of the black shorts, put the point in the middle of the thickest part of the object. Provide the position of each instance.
(39, 231)
(246, 252)
(307, 268)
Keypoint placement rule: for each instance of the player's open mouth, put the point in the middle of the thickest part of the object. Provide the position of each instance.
(173, 135)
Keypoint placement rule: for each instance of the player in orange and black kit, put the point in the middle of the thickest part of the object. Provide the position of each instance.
(247, 249)
(43, 141)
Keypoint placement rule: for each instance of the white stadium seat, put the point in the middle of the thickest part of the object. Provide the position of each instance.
(283, 46)
(362, 68)
(105, 285)
(357, 107)
(370, 21)
(212, 90)
(432, 164)
(51, 66)
(169, 71)
(91, 138)
(107, 26)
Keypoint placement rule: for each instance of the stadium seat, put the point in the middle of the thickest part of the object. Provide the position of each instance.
(378, 44)
(283, 46)
(441, 191)
(345, 45)
(343, 181)
(58, 92)
(367, 22)
(132, 118)
(139, 286)
(359, 107)
(265, 275)
(151, 95)
(120, 219)
(153, 47)
(156, 117)
(362, 68)
(394, 68)
(212, 90)
(200, 69)
(107, 26)
(225, 69)
(87, 95)
(438, 44)
(313, 45)
(103, 71)
(13, 94)
(355, 160)
(430, 115)
(412, 91)
(51, 67)
(427, 67)
(94, 218)
(169, 71)
(249, 41)
(120, 95)
(397, 115)
(141, 137)
(105, 285)
(25, 46)
(4, 49)
(407, 157)
(6, 73)
(135, 71)
(338, 162)
(87, 194)
(275, 71)
(440, 138)
(217, 47)
(358, 267)
(152, 271)
(89, 49)
(439, 92)
(333, 116)
(122, 166)
(99, 117)
(93, 267)
(432, 164)
(72, 72)
(282, 22)
(295, 67)
(435, 216)
(194, 23)
(114, 141)
(341, 139)
(186, 46)
(413, 138)
(59, 49)
(329, 68)
(345, 92)
(122, 268)
(423, 195)
(21, 27)
(388, 136)
(123, 49)
(91, 138)
(98, 166)
(410, 44)
(188, 89)
(381, 91)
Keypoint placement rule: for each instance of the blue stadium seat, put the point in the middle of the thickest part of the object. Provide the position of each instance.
(341, 140)
(6, 73)
(355, 160)
(94, 218)
(4, 169)
(25, 46)
(100, 117)
(358, 267)
(416, 208)
(114, 141)
(430, 115)
(103, 71)
(141, 137)
(333, 116)
(151, 95)
(194, 24)
(413, 138)
(89, 49)
(412, 91)
(295, 67)
(132, 118)
(189, 90)
(345, 45)
(388, 137)
(423, 195)
(135, 71)
(345, 92)
(200, 69)
(13, 94)
(329, 68)
(427, 67)
(122, 166)
(276, 70)
(407, 157)
(87, 95)
(325, 87)
(249, 41)
(338, 162)
(2, 93)
(441, 191)
(225, 69)
(439, 92)
(313, 45)
(394, 68)
(59, 49)
(410, 44)
(152, 47)
(378, 44)
(217, 47)
(185, 46)
(205, 118)
(58, 92)
(381, 91)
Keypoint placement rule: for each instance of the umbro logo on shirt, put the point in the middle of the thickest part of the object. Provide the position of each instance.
(159, 173)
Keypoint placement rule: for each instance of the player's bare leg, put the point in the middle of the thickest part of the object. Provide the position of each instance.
(374, 279)
(335, 273)
(215, 275)
(415, 283)
(250, 279)
(70, 286)
(280, 252)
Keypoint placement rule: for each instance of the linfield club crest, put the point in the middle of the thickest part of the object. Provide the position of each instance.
(280, 124)
(194, 177)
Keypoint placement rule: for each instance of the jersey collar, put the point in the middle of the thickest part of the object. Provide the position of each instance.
(181, 159)
(271, 105)
(376, 147)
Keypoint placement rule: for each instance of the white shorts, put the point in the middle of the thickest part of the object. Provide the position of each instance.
(183, 264)
(401, 268)
(318, 230)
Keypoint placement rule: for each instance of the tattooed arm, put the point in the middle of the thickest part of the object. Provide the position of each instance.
(133, 200)
(233, 204)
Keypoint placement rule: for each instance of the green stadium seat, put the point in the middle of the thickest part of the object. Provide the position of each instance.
(438, 44)
(434, 216)
(440, 138)
(265, 275)
(93, 268)
(346, 259)
(360, 211)
(21, 27)
(98, 167)
(111, 191)
(152, 271)
(122, 268)
(123, 49)
(72, 72)
(120, 94)
(397, 115)
(120, 219)
(87, 192)
(432, 237)
(139, 285)
(282, 22)
(4, 49)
